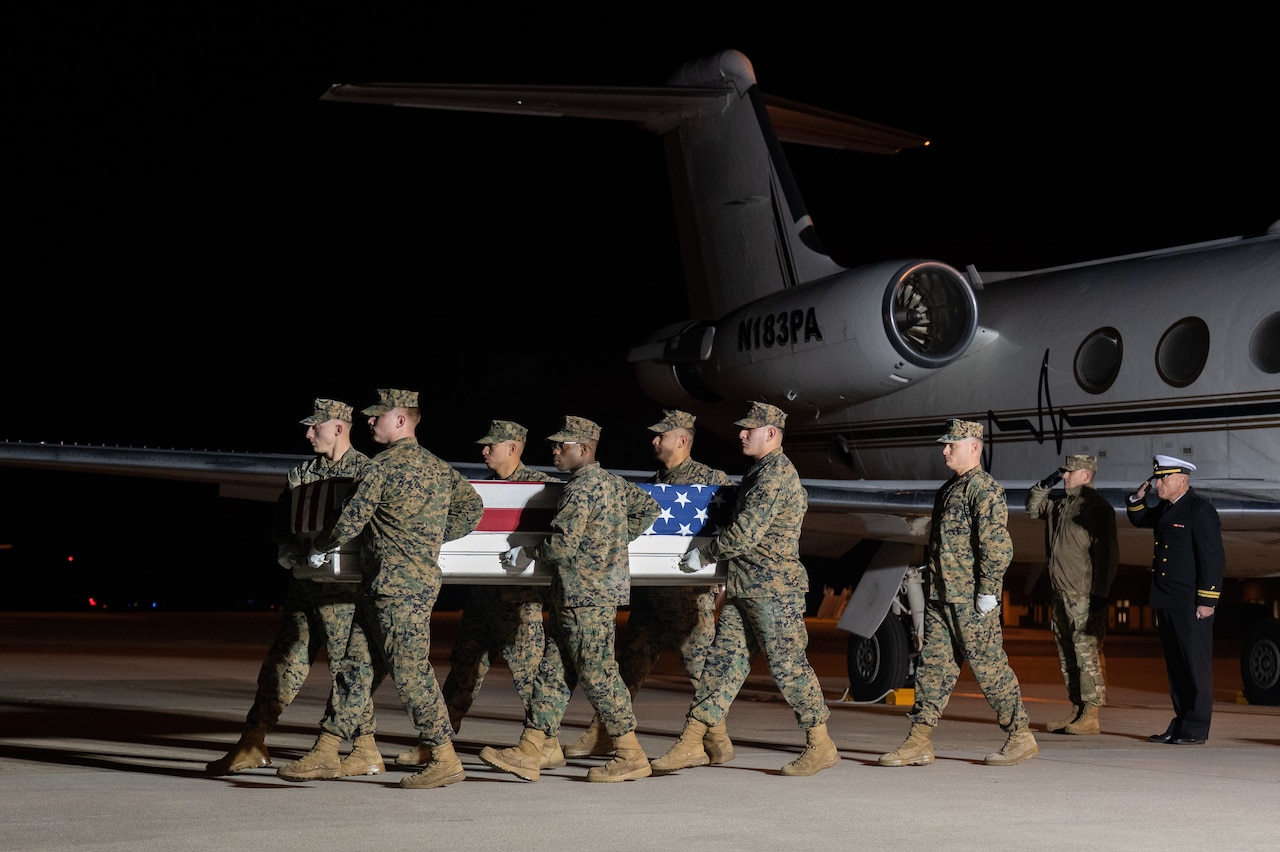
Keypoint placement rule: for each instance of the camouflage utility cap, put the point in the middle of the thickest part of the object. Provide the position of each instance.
(389, 398)
(961, 430)
(576, 430)
(672, 419)
(503, 430)
(1165, 465)
(1080, 462)
(763, 414)
(326, 410)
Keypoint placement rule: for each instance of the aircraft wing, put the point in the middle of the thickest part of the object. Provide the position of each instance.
(651, 108)
(841, 512)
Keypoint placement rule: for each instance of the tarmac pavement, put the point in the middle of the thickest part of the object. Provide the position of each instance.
(107, 721)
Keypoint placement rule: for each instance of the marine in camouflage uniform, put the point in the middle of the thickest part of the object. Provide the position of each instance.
(408, 504)
(598, 515)
(1083, 555)
(662, 617)
(498, 620)
(968, 553)
(764, 604)
(314, 615)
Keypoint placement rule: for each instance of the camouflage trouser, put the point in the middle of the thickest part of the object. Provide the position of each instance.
(748, 626)
(580, 650)
(1079, 635)
(496, 620)
(953, 634)
(315, 617)
(391, 635)
(661, 617)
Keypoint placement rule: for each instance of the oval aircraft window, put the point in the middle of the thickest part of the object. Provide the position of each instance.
(1182, 351)
(1098, 360)
(1264, 347)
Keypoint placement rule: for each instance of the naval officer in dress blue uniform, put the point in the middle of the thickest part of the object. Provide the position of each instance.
(1186, 582)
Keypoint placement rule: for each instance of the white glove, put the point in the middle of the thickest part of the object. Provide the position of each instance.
(516, 558)
(287, 556)
(317, 558)
(986, 603)
(691, 562)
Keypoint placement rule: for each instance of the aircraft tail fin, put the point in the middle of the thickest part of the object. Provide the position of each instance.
(744, 228)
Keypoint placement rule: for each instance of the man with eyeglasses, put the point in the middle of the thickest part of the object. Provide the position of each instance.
(597, 517)
(1186, 583)
(1082, 557)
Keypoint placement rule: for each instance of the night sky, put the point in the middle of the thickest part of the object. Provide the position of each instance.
(198, 246)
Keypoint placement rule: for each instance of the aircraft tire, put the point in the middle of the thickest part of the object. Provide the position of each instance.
(879, 663)
(1260, 663)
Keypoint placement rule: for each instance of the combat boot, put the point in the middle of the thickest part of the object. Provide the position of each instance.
(321, 763)
(819, 753)
(1086, 722)
(522, 760)
(364, 758)
(594, 742)
(717, 745)
(443, 770)
(419, 755)
(631, 762)
(552, 754)
(250, 752)
(687, 751)
(1020, 746)
(916, 749)
(1060, 725)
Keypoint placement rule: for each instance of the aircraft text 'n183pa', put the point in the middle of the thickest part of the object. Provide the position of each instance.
(1174, 352)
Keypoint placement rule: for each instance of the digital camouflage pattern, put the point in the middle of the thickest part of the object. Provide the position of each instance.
(673, 419)
(504, 430)
(410, 502)
(969, 543)
(598, 515)
(764, 597)
(969, 551)
(314, 615)
(326, 410)
(497, 620)
(680, 617)
(762, 545)
(1083, 556)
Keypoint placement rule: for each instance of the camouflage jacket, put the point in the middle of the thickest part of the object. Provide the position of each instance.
(762, 544)
(969, 544)
(598, 515)
(690, 472)
(350, 466)
(525, 474)
(1079, 539)
(411, 502)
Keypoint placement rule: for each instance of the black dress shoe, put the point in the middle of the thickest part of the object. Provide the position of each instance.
(1166, 737)
(1188, 741)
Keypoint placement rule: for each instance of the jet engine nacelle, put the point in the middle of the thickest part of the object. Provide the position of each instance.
(826, 344)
